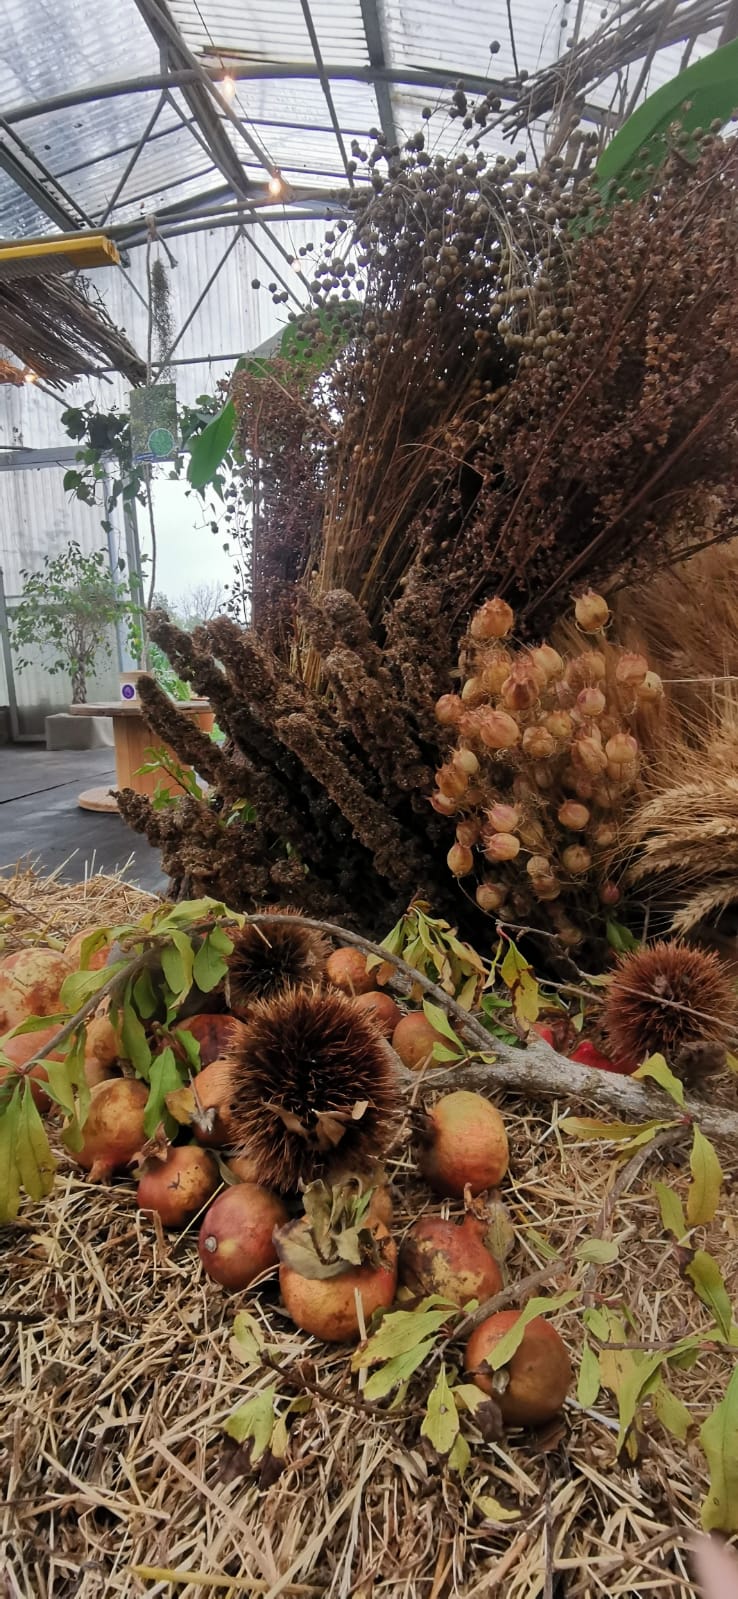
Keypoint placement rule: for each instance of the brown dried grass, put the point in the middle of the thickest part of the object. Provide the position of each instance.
(116, 1378)
(40, 910)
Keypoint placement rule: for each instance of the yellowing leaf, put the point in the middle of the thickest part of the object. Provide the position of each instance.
(611, 1132)
(671, 1412)
(731, 1061)
(588, 1385)
(395, 1371)
(246, 1339)
(705, 1274)
(597, 1251)
(399, 1332)
(254, 1420)
(673, 1219)
(719, 1439)
(517, 975)
(492, 1510)
(657, 1070)
(468, 1397)
(707, 1177)
(460, 1455)
(440, 1424)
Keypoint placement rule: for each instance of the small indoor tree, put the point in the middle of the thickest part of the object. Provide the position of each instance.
(68, 609)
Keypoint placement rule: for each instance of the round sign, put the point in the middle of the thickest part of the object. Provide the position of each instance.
(161, 441)
(128, 692)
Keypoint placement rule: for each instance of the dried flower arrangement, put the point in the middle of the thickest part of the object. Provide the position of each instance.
(545, 759)
(535, 395)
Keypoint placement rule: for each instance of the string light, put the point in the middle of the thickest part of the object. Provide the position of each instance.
(29, 376)
(228, 87)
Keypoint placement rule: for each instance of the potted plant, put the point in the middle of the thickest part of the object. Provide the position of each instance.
(68, 609)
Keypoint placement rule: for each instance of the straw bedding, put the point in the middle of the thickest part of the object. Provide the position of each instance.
(117, 1376)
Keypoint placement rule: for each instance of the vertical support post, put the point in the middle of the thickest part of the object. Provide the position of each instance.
(124, 659)
(133, 561)
(8, 663)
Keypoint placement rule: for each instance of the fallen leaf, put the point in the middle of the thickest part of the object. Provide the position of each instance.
(719, 1439)
(707, 1176)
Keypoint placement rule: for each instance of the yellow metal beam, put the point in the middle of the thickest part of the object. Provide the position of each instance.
(66, 254)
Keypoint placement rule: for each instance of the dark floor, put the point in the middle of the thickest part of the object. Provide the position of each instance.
(40, 819)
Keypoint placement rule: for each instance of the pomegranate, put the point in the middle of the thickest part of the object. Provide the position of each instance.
(327, 1308)
(73, 951)
(22, 1048)
(211, 1090)
(466, 1145)
(113, 1133)
(414, 1040)
(346, 969)
(101, 1040)
(215, 1034)
(450, 1259)
(180, 1185)
(382, 1009)
(538, 1374)
(235, 1241)
(30, 984)
(587, 1054)
(244, 1169)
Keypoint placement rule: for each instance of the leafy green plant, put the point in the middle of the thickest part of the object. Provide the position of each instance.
(68, 608)
(705, 94)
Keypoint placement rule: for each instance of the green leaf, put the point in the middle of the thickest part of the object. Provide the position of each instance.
(656, 1068)
(707, 1176)
(78, 987)
(707, 1279)
(91, 944)
(671, 1412)
(635, 1374)
(221, 942)
(440, 1424)
(134, 1041)
(673, 1219)
(503, 1352)
(177, 961)
(9, 1176)
(34, 1160)
(211, 448)
(190, 1047)
(59, 1087)
(719, 1439)
(144, 996)
(588, 1385)
(395, 1371)
(440, 1021)
(209, 967)
(254, 1420)
(165, 1076)
(620, 938)
(597, 1323)
(597, 1251)
(400, 1331)
(36, 1024)
(706, 91)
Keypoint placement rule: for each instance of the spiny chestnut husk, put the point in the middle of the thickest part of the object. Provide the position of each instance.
(313, 1089)
(274, 956)
(672, 1000)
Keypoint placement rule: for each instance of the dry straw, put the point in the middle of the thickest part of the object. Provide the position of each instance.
(117, 1377)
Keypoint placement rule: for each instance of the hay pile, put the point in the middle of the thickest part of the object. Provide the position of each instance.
(45, 910)
(118, 1375)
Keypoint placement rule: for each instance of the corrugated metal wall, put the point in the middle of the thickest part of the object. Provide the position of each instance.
(36, 515)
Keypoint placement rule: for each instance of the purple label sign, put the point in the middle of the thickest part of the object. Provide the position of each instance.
(128, 692)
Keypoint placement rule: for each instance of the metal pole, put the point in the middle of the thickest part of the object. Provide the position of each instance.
(133, 561)
(8, 662)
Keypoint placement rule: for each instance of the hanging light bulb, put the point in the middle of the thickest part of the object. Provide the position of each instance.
(228, 87)
(276, 185)
(29, 376)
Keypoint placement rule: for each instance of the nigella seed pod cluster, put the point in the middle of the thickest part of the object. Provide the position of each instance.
(546, 757)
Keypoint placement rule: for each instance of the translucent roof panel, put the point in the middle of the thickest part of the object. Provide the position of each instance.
(52, 44)
(274, 32)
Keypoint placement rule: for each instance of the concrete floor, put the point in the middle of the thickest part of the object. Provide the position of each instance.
(40, 819)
